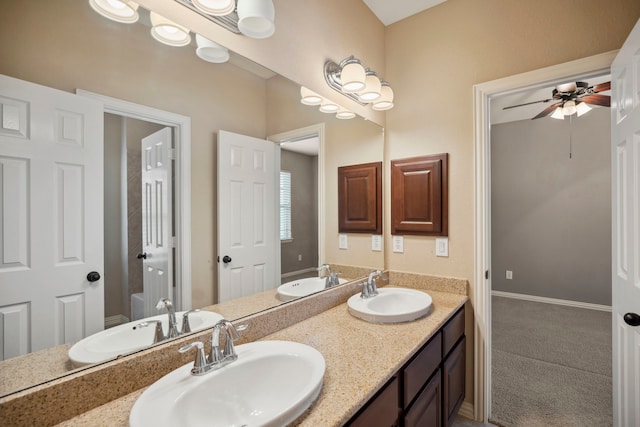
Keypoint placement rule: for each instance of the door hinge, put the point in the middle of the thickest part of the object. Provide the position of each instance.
(172, 154)
(486, 274)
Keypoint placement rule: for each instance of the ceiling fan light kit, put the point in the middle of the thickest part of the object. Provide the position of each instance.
(572, 98)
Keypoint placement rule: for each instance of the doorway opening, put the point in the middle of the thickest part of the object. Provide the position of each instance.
(579, 70)
(302, 156)
(146, 120)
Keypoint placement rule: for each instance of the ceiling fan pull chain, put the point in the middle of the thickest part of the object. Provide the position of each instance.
(570, 136)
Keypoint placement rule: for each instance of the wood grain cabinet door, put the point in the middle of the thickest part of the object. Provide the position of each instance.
(419, 196)
(360, 198)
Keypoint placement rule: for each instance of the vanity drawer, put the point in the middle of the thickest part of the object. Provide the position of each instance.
(382, 410)
(418, 371)
(452, 331)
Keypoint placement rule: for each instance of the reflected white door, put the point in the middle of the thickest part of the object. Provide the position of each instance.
(625, 154)
(157, 242)
(248, 234)
(51, 217)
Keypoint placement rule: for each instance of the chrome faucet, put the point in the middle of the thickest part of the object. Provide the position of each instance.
(173, 324)
(218, 357)
(331, 278)
(186, 326)
(370, 287)
(158, 334)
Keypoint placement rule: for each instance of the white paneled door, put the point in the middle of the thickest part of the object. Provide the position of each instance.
(51, 217)
(248, 234)
(157, 273)
(625, 154)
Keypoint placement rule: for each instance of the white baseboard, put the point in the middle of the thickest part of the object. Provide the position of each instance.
(116, 320)
(466, 410)
(295, 273)
(577, 304)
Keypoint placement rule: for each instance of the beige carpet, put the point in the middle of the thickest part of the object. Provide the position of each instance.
(551, 365)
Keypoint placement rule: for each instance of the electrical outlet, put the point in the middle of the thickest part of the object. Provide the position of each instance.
(343, 242)
(376, 242)
(442, 246)
(299, 257)
(509, 275)
(398, 244)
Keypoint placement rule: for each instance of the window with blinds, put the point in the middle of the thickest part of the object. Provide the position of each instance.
(285, 206)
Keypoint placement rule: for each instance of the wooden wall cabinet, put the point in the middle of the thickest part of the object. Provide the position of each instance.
(420, 196)
(428, 390)
(360, 198)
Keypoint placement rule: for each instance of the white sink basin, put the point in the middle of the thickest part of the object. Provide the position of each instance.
(123, 339)
(303, 287)
(391, 305)
(271, 384)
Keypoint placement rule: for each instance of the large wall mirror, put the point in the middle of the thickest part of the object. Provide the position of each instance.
(81, 50)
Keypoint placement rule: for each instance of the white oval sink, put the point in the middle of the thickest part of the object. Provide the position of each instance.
(391, 305)
(303, 287)
(271, 384)
(123, 339)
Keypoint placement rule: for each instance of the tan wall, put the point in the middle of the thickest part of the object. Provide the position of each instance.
(433, 59)
(122, 61)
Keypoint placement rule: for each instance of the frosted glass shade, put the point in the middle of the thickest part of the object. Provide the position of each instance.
(329, 107)
(124, 11)
(385, 102)
(569, 108)
(211, 51)
(309, 97)
(215, 7)
(168, 32)
(582, 108)
(353, 77)
(343, 114)
(256, 18)
(558, 114)
(372, 90)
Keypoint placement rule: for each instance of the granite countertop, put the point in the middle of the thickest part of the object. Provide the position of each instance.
(360, 358)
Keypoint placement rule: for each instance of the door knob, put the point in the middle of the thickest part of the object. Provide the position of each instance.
(226, 259)
(94, 276)
(143, 255)
(632, 319)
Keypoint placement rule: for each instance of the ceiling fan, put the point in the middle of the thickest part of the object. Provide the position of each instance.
(572, 98)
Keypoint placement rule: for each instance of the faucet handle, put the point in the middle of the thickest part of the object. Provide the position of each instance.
(186, 327)
(200, 365)
(232, 336)
(158, 334)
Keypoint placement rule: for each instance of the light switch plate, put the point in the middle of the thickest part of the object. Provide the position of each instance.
(398, 244)
(376, 242)
(442, 246)
(343, 242)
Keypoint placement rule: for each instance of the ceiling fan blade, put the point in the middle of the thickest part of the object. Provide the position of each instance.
(601, 100)
(602, 87)
(546, 111)
(528, 103)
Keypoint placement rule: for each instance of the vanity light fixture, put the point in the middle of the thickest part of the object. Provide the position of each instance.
(346, 77)
(215, 7)
(123, 11)
(168, 32)
(256, 18)
(211, 51)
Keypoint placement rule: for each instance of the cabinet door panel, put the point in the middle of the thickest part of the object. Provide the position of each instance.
(426, 411)
(382, 410)
(421, 368)
(453, 371)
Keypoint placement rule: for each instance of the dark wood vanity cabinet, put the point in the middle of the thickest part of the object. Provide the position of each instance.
(428, 390)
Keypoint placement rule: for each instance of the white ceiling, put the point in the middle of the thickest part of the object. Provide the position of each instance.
(390, 11)
(308, 146)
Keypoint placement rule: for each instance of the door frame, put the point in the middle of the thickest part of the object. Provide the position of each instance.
(182, 180)
(317, 129)
(482, 94)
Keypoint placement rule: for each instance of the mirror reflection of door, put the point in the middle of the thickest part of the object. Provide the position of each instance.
(126, 296)
(51, 284)
(248, 241)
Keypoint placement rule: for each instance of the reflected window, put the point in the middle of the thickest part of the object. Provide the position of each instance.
(285, 206)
